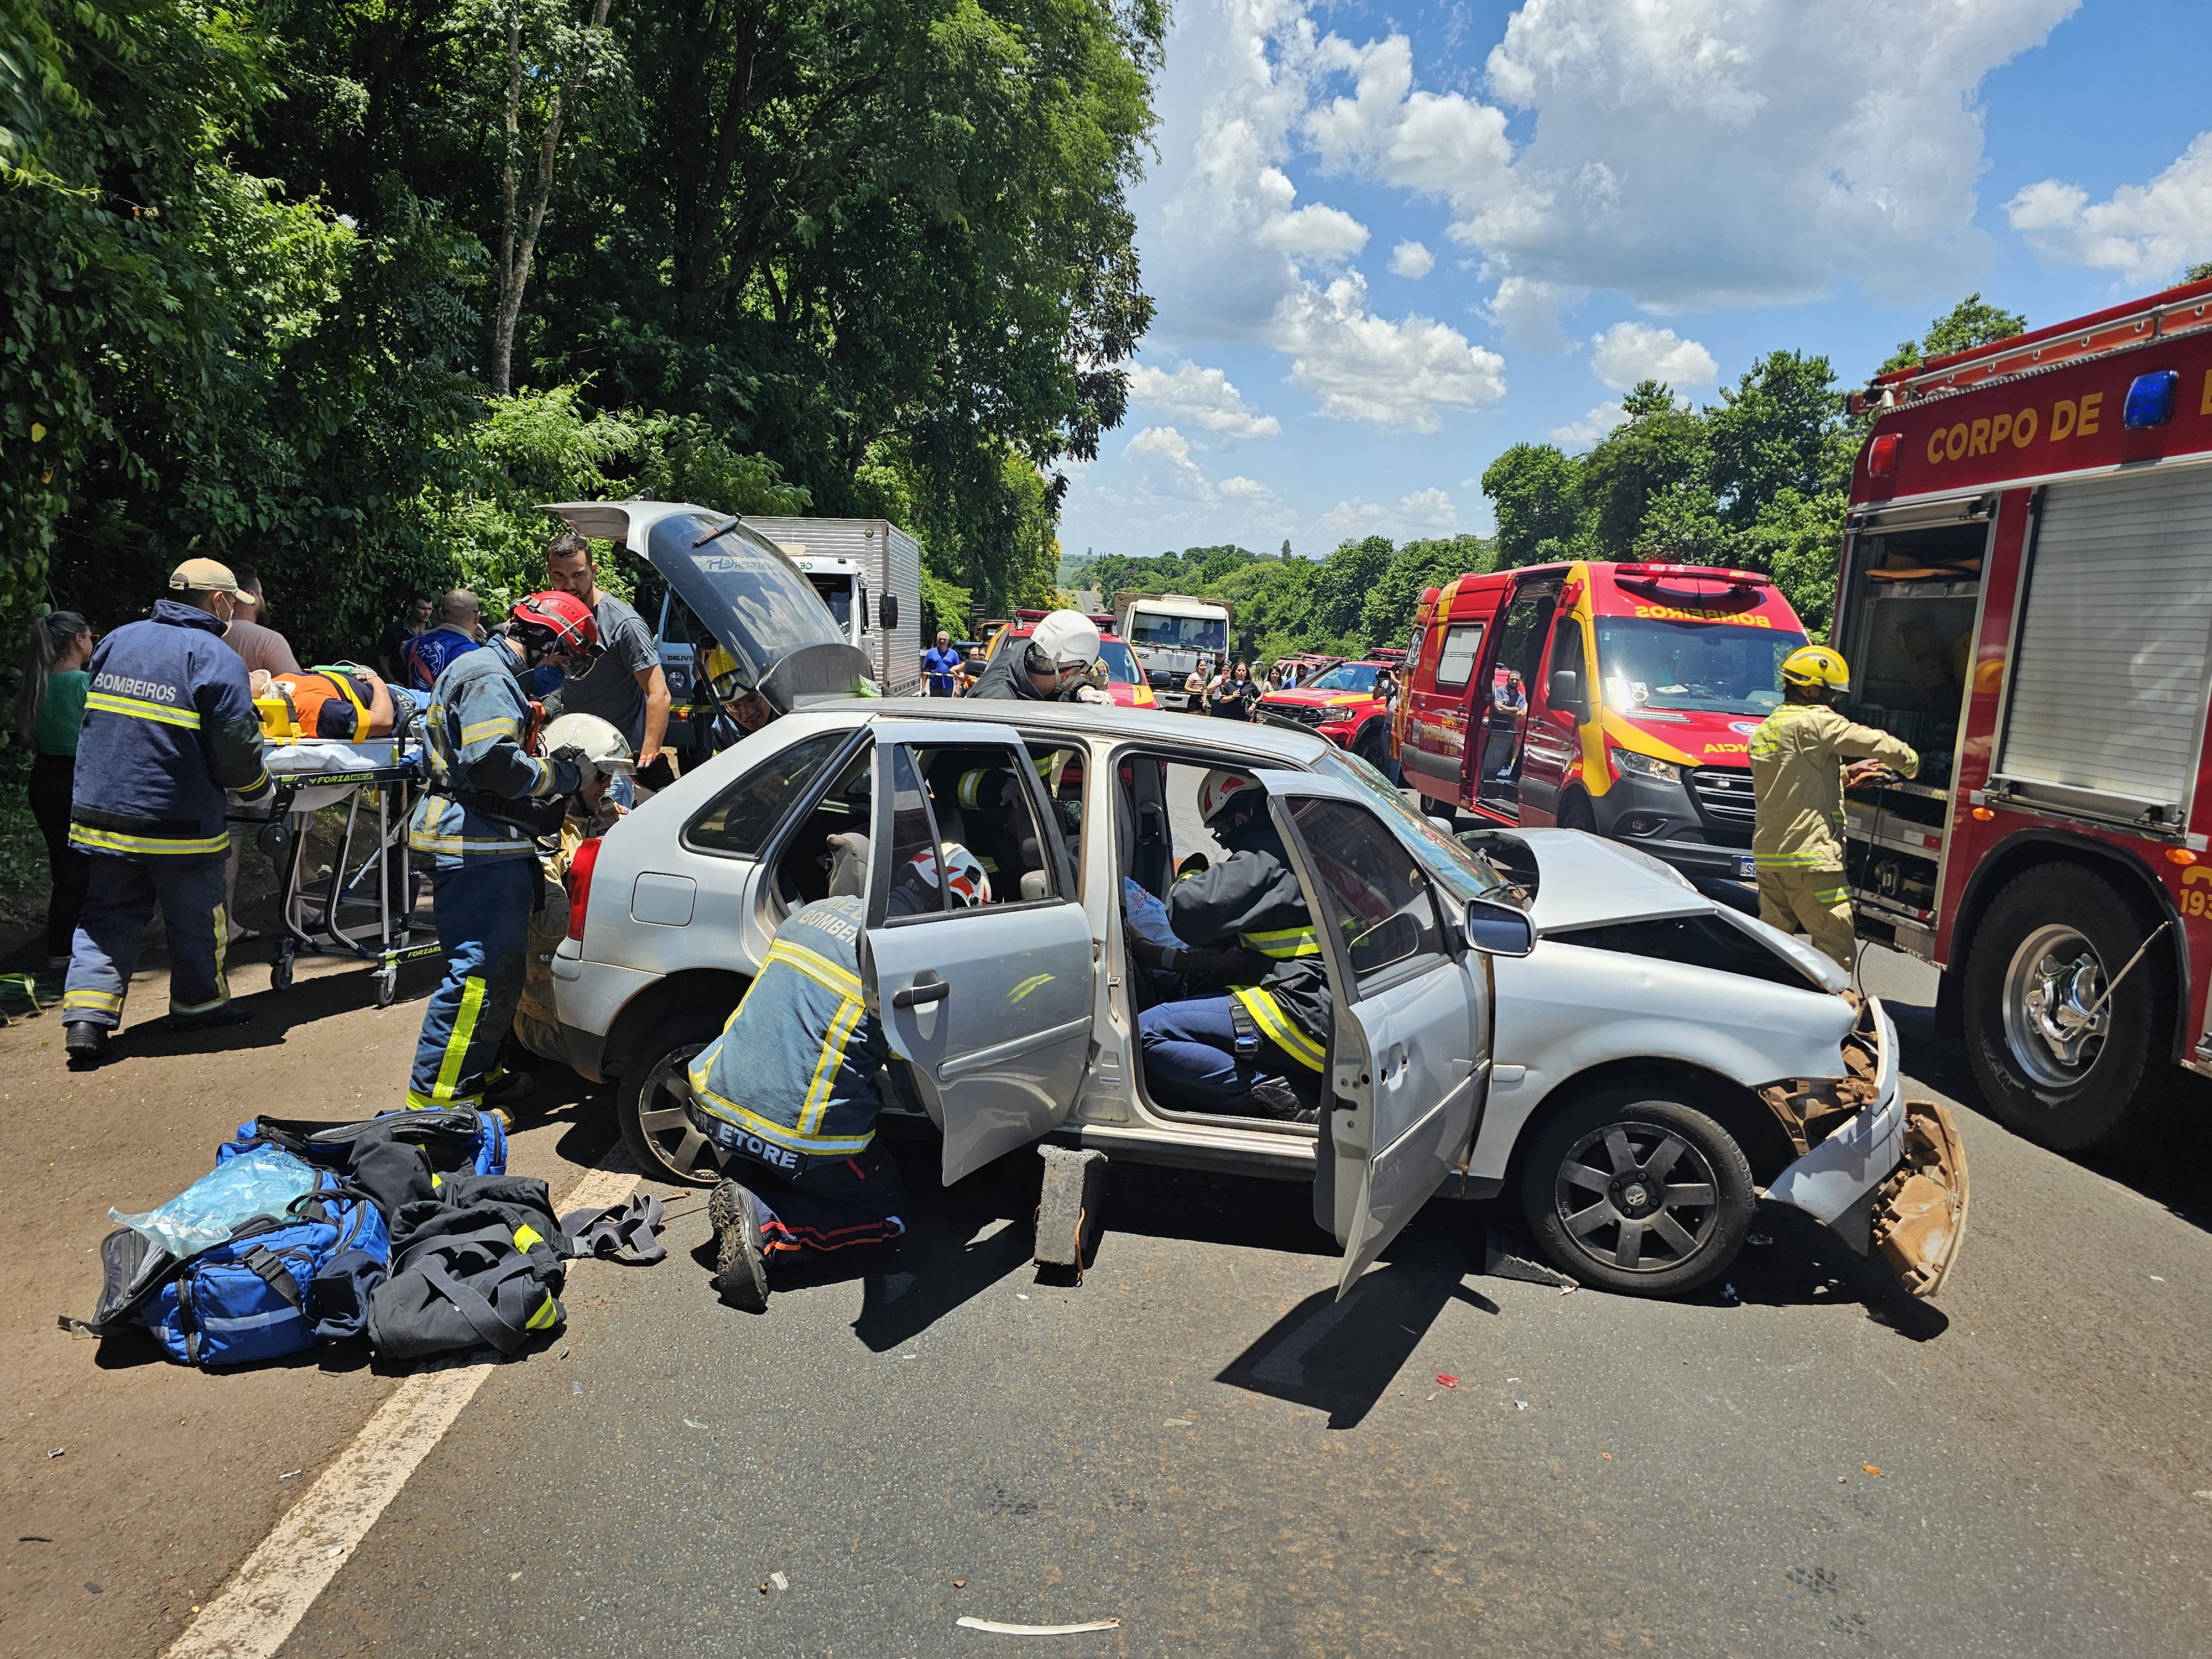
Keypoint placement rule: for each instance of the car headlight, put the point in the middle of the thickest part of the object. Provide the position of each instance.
(1646, 766)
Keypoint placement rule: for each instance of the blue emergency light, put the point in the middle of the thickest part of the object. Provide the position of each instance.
(2150, 399)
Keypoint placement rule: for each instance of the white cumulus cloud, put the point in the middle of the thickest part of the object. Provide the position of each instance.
(1423, 510)
(1367, 369)
(1203, 397)
(1162, 456)
(1411, 260)
(1324, 235)
(1629, 352)
(1432, 509)
(1246, 489)
(2147, 233)
(1581, 434)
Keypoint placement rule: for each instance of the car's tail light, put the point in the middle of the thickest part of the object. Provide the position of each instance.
(581, 863)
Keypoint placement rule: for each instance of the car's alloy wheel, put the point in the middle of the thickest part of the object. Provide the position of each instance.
(650, 1104)
(1646, 1195)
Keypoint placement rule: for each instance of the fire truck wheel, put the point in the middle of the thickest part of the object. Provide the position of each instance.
(1638, 1193)
(2058, 1061)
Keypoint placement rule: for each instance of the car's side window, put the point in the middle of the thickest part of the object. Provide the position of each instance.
(1380, 901)
(1456, 662)
(742, 817)
(964, 831)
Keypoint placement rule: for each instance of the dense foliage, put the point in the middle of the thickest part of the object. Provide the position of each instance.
(1757, 481)
(344, 289)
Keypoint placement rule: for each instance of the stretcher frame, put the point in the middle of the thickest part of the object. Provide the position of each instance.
(381, 938)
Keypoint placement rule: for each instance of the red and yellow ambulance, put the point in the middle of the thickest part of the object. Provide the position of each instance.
(1616, 698)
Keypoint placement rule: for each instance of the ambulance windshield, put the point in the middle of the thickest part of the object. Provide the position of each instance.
(1721, 668)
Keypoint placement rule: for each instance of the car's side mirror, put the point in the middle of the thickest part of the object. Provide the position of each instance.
(887, 611)
(1445, 825)
(1499, 929)
(1388, 941)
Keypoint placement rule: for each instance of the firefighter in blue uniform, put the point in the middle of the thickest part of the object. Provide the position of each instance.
(1262, 1049)
(488, 800)
(169, 725)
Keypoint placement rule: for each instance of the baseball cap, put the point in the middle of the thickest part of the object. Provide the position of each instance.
(204, 576)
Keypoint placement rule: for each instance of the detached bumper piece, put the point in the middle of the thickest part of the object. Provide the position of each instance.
(1889, 1179)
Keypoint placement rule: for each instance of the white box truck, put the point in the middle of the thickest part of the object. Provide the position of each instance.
(868, 571)
(1171, 633)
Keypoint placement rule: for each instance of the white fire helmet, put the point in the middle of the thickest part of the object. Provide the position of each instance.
(970, 885)
(604, 746)
(1064, 638)
(1220, 790)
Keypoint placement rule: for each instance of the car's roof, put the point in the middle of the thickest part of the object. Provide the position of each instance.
(1299, 750)
(1584, 881)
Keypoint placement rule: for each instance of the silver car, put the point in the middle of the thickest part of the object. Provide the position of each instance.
(1549, 1012)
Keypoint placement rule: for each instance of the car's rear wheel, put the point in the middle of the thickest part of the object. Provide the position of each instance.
(1638, 1193)
(649, 1102)
(2064, 1057)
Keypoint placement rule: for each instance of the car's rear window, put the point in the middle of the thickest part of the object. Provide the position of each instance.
(744, 816)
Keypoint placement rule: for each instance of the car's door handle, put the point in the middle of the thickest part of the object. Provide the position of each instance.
(926, 989)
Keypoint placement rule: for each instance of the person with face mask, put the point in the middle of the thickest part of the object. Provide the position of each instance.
(1262, 1049)
(489, 799)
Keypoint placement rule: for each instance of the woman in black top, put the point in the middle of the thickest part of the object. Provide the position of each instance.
(1234, 694)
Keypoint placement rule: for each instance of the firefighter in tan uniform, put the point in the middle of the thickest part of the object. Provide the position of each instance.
(1798, 778)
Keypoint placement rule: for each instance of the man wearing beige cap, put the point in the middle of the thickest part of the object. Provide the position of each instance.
(169, 725)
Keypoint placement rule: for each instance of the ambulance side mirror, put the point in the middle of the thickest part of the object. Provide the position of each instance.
(1566, 692)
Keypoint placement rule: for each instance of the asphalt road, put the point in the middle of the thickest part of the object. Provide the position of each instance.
(1200, 1442)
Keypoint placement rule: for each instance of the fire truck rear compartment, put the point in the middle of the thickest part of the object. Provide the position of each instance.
(1909, 637)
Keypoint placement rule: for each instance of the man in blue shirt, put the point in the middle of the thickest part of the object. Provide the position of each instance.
(940, 665)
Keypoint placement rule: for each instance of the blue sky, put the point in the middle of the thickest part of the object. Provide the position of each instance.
(1387, 243)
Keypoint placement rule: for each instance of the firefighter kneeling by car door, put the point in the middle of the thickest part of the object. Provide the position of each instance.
(1798, 778)
(489, 799)
(788, 1093)
(1261, 1050)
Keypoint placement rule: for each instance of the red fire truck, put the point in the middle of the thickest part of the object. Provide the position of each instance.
(2026, 597)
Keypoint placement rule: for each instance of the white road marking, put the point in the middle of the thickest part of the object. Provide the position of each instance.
(265, 1599)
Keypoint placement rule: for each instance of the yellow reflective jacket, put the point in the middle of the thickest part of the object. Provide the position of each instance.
(1797, 757)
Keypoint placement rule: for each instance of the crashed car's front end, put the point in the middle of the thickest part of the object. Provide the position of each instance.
(1885, 1174)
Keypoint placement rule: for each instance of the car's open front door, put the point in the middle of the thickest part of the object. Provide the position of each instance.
(1409, 1062)
(982, 977)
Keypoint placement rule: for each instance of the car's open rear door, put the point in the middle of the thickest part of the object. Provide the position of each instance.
(989, 1004)
(1409, 1063)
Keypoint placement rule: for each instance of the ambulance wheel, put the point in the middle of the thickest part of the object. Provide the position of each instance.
(2053, 1064)
(650, 1100)
(280, 971)
(1637, 1193)
(1575, 813)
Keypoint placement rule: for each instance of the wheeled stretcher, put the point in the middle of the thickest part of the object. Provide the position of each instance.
(364, 906)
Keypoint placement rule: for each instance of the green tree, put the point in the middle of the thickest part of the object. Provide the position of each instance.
(1659, 449)
(1781, 427)
(1387, 618)
(1532, 488)
(1970, 323)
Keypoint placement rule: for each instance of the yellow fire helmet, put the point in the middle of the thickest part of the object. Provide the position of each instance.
(722, 674)
(1816, 665)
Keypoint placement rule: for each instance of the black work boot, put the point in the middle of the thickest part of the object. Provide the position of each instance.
(1275, 1097)
(85, 1043)
(740, 1269)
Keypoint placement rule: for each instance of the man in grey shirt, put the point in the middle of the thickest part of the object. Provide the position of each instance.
(624, 685)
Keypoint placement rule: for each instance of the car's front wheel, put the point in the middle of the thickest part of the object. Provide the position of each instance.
(1629, 1189)
(649, 1102)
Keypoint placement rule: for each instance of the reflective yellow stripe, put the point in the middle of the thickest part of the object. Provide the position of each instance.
(422, 1102)
(221, 950)
(768, 1129)
(1282, 943)
(1267, 1014)
(825, 1067)
(138, 709)
(820, 969)
(110, 841)
(525, 1236)
(548, 1312)
(457, 1046)
(1788, 860)
(106, 1001)
(1831, 895)
(420, 842)
(505, 726)
(200, 1007)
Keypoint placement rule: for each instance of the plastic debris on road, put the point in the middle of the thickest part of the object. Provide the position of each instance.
(997, 1628)
(1870, 1468)
(259, 1182)
(1448, 1382)
(779, 1581)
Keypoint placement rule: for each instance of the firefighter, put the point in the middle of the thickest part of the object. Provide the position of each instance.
(169, 725)
(1798, 778)
(488, 801)
(787, 1095)
(1261, 1050)
(1055, 662)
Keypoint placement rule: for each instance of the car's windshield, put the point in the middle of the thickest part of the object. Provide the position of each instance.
(1467, 870)
(1179, 633)
(1722, 668)
(1346, 677)
(837, 594)
(1121, 663)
